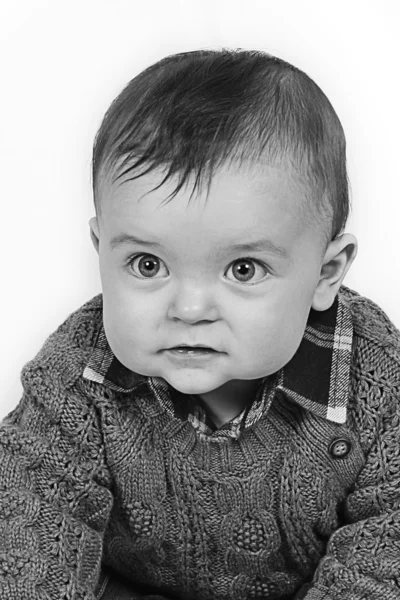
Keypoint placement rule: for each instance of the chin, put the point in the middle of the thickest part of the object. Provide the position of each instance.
(188, 386)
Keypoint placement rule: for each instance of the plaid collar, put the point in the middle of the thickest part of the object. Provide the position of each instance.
(317, 377)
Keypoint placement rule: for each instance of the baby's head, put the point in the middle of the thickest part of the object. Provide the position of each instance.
(237, 264)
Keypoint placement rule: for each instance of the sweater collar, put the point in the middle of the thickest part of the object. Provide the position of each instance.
(317, 377)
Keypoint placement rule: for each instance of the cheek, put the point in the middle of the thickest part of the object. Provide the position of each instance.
(130, 316)
(130, 323)
(271, 332)
(126, 308)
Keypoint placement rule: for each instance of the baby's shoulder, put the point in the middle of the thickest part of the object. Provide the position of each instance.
(375, 361)
(374, 399)
(80, 329)
(63, 356)
(371, 324)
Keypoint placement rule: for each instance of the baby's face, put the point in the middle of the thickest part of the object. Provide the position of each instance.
(236, 273)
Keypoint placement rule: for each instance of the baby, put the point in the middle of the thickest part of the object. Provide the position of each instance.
(222, 422)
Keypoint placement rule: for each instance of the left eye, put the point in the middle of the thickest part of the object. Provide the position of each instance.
(148, 266)
(244, 270)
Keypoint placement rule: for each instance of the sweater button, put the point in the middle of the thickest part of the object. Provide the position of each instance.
(339, 448)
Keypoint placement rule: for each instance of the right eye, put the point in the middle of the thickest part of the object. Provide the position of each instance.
(146, 266)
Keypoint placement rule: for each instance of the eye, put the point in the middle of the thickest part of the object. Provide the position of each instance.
(244, 270)
(147, 267)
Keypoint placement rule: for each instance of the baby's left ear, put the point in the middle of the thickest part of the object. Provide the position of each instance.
(337, 261)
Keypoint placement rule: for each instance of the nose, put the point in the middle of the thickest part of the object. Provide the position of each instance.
(192, 303)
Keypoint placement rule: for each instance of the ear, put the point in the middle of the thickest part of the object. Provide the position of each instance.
(95, 232)
(337, 261)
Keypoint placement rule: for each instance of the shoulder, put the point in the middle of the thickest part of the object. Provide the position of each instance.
(371, 325)
(63, 356)
(55, 412)
(375, 366)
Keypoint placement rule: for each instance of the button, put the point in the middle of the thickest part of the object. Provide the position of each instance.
(339, 448)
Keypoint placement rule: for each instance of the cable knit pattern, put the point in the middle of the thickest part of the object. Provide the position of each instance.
(94, 480)
(54, 485)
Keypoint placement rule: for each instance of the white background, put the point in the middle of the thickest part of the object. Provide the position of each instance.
(62, 63)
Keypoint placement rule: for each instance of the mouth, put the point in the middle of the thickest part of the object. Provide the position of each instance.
(192, 356)
(191, 350)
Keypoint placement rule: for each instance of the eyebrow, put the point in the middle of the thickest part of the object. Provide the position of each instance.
(257, 245)
(125, 238)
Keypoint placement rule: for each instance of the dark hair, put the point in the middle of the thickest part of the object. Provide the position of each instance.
(197, 111)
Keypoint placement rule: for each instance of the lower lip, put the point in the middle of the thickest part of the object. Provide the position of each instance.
(192, 355)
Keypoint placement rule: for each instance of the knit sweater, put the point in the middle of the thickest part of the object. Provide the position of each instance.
(99, 481)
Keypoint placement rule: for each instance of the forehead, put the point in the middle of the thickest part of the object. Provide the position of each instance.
(241, 202)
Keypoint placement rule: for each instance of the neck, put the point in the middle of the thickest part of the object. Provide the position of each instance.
(228, 401)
